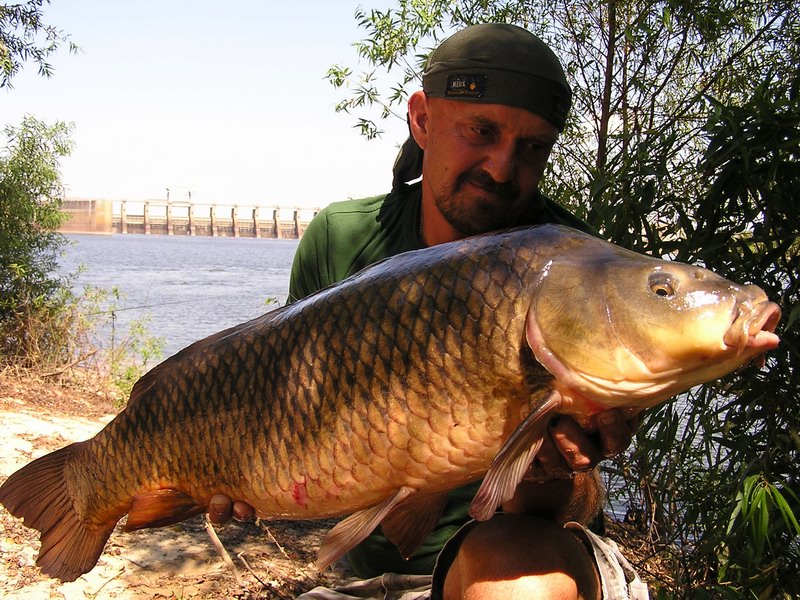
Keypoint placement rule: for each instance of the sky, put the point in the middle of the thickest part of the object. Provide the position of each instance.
(227, 100)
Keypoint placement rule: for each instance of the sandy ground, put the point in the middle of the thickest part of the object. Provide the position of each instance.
(273, 560)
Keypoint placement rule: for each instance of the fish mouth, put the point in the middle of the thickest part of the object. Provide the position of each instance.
(753, 331)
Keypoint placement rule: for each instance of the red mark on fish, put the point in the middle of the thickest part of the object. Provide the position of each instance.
(299, 492)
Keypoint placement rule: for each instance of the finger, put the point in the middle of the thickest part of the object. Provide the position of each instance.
(242, 511)
(614, 431)
(576, 447)
(549, 463)
(219, 509)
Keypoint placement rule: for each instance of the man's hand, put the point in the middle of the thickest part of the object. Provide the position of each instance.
(221, 509)
(562, 482)
(570, 449)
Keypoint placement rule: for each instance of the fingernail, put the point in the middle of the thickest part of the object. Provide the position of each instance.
(243, 511)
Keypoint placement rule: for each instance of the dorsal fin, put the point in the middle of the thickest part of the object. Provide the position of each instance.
(197, 354)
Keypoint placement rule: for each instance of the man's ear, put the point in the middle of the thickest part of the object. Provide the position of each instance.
(418, 117)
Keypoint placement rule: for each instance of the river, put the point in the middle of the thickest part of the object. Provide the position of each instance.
(189, 287)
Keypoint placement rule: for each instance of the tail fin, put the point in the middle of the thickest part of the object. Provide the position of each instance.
(38, 494)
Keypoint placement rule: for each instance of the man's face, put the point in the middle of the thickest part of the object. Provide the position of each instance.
(483, 162)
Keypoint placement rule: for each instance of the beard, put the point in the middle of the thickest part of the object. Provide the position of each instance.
(471, 213)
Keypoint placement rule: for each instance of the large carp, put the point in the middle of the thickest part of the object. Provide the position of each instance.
(379, 394)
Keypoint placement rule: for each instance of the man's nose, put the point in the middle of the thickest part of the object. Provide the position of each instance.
(500, 162)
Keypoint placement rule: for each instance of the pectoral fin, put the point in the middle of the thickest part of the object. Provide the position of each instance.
(509, 466)
(410, 522)
(161, 507)
(347, 534)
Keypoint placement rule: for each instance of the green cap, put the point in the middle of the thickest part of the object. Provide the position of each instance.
(498, 63)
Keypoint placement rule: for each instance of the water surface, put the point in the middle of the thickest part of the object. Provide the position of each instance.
(190, 287)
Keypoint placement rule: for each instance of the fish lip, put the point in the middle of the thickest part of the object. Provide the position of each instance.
(753, 330)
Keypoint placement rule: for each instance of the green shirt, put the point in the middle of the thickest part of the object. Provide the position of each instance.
(341, 240)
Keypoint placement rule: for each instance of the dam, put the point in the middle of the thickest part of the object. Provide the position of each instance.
(164, 217)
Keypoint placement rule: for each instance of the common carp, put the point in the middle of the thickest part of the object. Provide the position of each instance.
(377, 395)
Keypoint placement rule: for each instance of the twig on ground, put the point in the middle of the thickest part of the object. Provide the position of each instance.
(66, 368)
(96, 593)
(302, 571)
(274, 541)
(222, 552)
(240, 556)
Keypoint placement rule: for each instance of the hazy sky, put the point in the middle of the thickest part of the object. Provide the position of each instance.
(227, 99)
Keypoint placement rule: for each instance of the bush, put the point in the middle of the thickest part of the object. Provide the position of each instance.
(45, 326)
(36, 303)
(715, 473)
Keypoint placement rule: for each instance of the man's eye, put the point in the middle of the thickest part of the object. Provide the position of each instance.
(481, 131)
(533, 148)
(534, 151)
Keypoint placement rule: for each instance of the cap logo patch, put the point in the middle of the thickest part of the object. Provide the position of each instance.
(470, 86)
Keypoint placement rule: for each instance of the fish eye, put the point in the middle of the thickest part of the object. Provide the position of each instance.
(661, 285)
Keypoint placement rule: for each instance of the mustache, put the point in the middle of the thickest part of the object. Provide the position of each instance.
(480, 178)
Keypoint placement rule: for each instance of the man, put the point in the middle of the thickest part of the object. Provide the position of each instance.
(493, 103)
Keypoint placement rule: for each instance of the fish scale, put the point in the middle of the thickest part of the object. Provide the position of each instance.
(373, 397)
